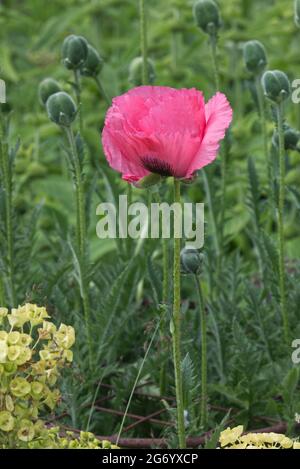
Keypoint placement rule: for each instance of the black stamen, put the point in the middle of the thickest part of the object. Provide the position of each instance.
(157, 166)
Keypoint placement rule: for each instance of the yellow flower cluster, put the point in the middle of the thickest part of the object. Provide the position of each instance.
(51, 439)
(32, 352)
(233, 438)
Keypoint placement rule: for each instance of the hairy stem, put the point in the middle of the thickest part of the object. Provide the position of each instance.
(177, 324)
(81, 234)
(203, 326)
(213, 50)
(7, 185)
(143, 40)
(280, 217)
(262, 113)
(102, 90)
(78, 97)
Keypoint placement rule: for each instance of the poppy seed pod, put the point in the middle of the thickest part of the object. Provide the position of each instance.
(297, 13)
(93, 64)
(136, 71)
(61, 109)
(291, 138)
(207, 16)
(191, 261)
(255, 57)
(74, 51)
(47, 87)
(276, 85)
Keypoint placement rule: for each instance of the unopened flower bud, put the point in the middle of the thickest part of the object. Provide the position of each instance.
(93, 63)
(47, 87)
(74, 51)
(255, 57)
(291, 138)
(136, 71)
(207, 16)
(276, 85)
(297, 13)
(61, 109)
(191, 260)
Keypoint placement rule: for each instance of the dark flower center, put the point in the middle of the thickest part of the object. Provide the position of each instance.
(157, 166)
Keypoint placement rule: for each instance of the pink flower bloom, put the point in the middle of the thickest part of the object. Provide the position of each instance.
(156, 129)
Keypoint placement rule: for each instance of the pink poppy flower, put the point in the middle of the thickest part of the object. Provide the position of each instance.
(156, 129)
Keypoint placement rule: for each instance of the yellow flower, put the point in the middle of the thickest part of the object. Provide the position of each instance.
(20, 387)
(37, 389)
(231, 435)
(7, 421)
(36, 314)
(9, 403)
(65, 336)
(47, 329)
(3, 336)
(25, 340)
(3, 312)
(13, 337)
(296, 445)
(25, 356)
(26, 430)
(13, 352)
(3, 351)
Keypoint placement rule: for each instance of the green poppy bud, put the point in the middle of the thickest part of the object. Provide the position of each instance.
(297, 13)
(276, 85)
(255, 57)
(47, 87)
(191, 260)
(61, 109)
(291, 138)
(74, 51)
(136, 71)
(93, 64)
(207, 16)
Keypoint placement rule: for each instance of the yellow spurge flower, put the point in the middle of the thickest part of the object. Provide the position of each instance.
(25, 340)
(47, 330)
(3, 312)
(13, 337)
(65, 336)
(36, 314)
(3, 335)
(9, 403)
(230, 435)
(20, 387)
(25, 356)
(233, 439)
(18, 316)
(7, 421)
(26, 430)
(13, 352)
(296, 445)
(37, 387)
(3, 351)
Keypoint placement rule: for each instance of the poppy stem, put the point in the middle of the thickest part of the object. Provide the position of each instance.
(5, 167)
(143, 39)
(262, 113)
(81, 234)
(213, 49)
(176, 333)
(203, 328)
(78, 97)
(280, 218)
(102, 90)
